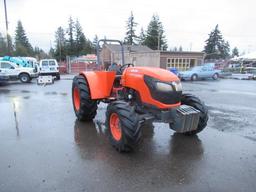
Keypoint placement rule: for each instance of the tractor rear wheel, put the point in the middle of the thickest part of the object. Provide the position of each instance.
(123, 126)
(193, 101)
(85, 108)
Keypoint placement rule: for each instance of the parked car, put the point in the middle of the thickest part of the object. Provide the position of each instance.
(251, 70)
(15, 72)
(49, 67)
(200, 72)
(174, 70)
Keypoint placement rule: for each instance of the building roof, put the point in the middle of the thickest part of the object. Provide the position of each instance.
(129, 48)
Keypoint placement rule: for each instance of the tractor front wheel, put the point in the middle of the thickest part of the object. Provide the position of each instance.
(85, 108)
(193, 101)
(123, 126)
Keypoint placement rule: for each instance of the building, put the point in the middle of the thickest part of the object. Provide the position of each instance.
(182, 60)
(140, 55)
(136, 54)
(83, 63)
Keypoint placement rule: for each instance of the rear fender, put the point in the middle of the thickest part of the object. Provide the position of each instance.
(100, 83)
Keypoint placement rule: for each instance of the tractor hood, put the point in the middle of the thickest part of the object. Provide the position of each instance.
(157, 73)
(154, 86)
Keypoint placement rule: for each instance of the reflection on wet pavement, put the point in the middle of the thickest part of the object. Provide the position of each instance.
(178, 165)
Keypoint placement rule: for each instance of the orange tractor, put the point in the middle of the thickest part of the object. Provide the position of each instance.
(136, 95)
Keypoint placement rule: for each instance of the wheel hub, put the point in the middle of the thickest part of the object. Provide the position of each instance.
(115, 127)
(76, 98)
(24, 78)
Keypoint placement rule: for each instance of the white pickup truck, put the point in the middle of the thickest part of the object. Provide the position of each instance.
(15, 72)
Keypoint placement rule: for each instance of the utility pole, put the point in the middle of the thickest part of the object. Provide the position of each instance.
(158, 42)
(6, 26)
(60, 48)
(160, 33)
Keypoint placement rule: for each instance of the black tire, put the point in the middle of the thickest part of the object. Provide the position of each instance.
(215, 76)
(24, 78)
(57, 76)
(129, 124)
(194, 77)
(191, 100)
(87, 108)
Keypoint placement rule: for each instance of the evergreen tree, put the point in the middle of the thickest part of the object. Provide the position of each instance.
(70, 41)
(80, 40)
(94, 43)
(61, 48)
(88, 49)
(216, 47)
(6, 46)
(51, 53)
(155, 38)
(225, 50)
(235, 52)
(10, 48)
(141, 38)
(130, 33)
(3, 46)
(39, 53)
(22, 45)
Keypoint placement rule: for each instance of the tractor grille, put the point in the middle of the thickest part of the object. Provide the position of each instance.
(187, 119)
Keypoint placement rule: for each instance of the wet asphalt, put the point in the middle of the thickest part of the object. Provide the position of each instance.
(44, 148)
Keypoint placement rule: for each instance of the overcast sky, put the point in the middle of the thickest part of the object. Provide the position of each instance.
(186, 23)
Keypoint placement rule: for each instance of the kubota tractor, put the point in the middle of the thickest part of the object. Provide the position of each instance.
(136, 95)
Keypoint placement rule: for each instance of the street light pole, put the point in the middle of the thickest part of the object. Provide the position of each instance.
(6, 26)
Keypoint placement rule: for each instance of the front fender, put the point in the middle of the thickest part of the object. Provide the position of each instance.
(100, 83)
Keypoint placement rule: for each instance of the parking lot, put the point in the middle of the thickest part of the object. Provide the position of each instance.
(44, 148)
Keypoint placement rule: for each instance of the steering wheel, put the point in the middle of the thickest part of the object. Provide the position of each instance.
(123, 67)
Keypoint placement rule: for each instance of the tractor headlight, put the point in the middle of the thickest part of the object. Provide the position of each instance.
(167, 92)
(177, 85)
(164, 87)
(160, 86)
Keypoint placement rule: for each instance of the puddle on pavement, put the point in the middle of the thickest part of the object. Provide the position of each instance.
(51, 93)
(25, 91)
(5, 91)
(26, 97)
(228, 120)
(63, 94)
(251, 138)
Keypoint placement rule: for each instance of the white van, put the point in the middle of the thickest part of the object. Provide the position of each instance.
(49, 67)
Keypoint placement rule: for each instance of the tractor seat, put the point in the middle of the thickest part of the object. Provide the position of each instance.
(116, 68)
